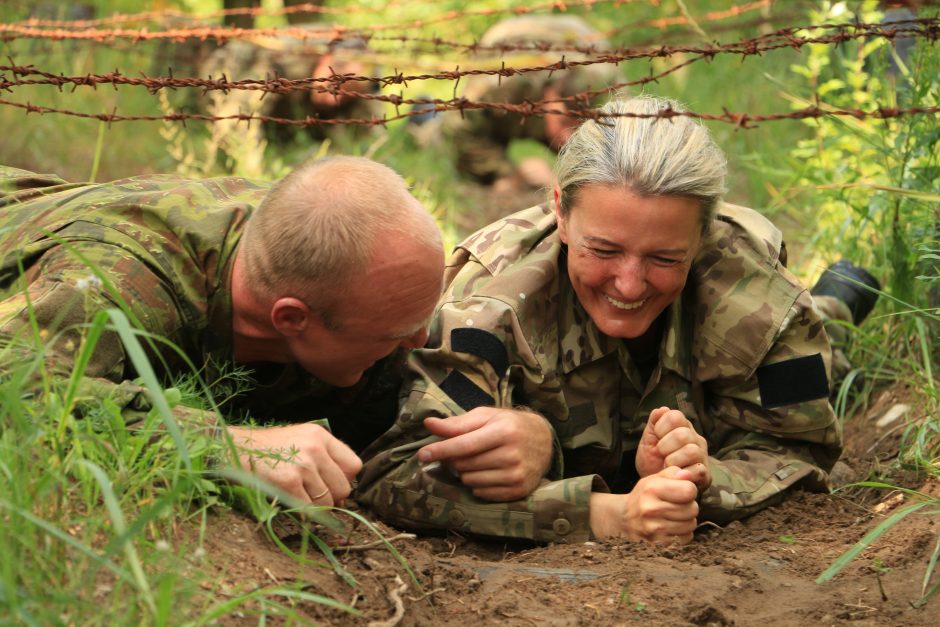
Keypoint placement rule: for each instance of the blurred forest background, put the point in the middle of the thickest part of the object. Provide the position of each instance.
(777, 167)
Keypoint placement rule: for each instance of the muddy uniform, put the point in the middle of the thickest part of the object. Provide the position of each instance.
(743, 355)
(166, 244)
(481, 138)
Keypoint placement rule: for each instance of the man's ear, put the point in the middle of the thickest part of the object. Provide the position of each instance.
(559, 218)
(290, 316)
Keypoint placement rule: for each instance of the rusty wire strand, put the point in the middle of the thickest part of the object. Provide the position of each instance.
(156, 16)
(528, 109)
(928, 28)
(15, 31)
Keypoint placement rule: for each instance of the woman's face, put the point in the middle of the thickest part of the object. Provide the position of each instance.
(628, 255)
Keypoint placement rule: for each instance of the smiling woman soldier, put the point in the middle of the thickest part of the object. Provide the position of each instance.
(682, 368)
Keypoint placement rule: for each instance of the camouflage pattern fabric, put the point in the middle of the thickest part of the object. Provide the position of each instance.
(482, 137)
(160, 248)
(508, 289)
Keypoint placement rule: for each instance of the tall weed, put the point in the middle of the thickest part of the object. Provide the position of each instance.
(874, 186)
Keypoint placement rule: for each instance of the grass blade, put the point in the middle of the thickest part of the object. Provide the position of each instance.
(338, 568)
(228, 606)
(117, 521)
(69, 540)
(95, 330)
(930, 568)
(867, 541)
(136, 353)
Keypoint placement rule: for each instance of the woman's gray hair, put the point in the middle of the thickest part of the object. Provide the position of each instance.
(651, 156)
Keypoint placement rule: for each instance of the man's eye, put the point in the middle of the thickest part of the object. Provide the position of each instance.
(603, 252)
(667, 261)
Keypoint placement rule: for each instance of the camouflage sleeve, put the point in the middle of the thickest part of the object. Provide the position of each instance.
(775, 429)
(20, 185)
(65, 294)
(466, 371)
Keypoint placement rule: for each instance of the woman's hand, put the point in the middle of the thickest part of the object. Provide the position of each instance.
(660, 508)
(669, 439)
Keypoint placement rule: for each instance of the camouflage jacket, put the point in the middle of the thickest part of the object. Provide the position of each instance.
(481, 138)
(162, 248)
(743, 355)
(287, 58)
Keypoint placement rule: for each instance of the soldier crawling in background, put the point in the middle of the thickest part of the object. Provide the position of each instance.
(317, 56)
(482, 137)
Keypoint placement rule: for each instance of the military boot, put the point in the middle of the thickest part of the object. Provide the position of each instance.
(843, 297)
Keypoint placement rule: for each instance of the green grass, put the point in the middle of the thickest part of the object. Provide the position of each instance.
(91, 508)
(875, 188)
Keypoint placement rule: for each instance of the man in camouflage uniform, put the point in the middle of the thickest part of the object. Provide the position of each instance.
(317, 56)
(741, 362)
(482, 137)
(229, 269)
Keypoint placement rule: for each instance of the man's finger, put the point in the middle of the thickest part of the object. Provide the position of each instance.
(317, 492)
(489, 478)
(344, 458)
(455, 425)
(495, 458)
(472, 443)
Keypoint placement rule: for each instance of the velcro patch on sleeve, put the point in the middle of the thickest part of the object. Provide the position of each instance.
(465, 392)
(793, 381)
(482, 344)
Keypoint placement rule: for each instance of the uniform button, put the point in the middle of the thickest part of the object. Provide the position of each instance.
(456, 517)
(561, 526)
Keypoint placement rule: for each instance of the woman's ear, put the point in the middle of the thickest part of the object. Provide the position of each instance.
(559, 216)
(290, 316)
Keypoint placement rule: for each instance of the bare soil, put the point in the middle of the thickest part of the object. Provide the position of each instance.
(760, 571)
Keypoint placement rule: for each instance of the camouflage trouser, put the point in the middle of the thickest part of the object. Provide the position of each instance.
(837, 316)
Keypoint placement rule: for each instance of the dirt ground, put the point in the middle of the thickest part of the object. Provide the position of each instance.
(752, 572)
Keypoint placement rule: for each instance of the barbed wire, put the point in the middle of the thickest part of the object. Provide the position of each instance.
(545, 46)
(157, 16)
(928, 28)
(528, 109)
(579, 105)
(225, 33)
(325, 32)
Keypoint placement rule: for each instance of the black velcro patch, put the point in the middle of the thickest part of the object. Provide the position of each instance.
(793, 381)
(465, 392)
(482, 344)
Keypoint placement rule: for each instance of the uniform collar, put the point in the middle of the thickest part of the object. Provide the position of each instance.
(581, 342)
(579, 339)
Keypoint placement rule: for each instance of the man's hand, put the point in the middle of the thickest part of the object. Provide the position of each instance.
(669, 439)
(660, 508)
(502, 454)
(306, 461)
